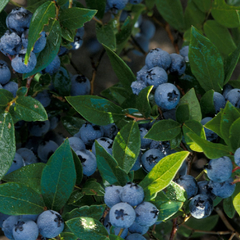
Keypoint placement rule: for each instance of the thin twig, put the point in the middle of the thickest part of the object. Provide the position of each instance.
(136, 118)
(199, 175)
(174, 229)
(59, 98)
(232, 236)
(97, 20)
(70, 3)
(235, 169)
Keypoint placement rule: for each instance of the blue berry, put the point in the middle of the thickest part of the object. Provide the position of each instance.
(183, 169)
(122, 215)
(110, 130)
(27, 155)
(203, 188)
(33, 143)
(106, 143)
(32, 217)
(116, 5)
(62, 51)
(147, 29)
(80, 85)
(53, 122)
(18, 62)
(3, 217)
(143, 42)
(156, 76)
(76, 144)
(146, 214)
(138, 164)
(237, 157)
(219, 101)
(38, 129)
(25, 230)
(5, 72)
(145, 143)
(137, 228)
(46, 150)
(170, 114)
(135, 1)
(150, 158)
(178, 65)
(12, 87)
(138, 86)
(201, 206)
(44, 98)
(50, 224)
(112, 195)
(8, 226)
(210, 135)
(220, 169)
(135, 236)
(89, 162)
(93, 46)
(16, 164)
(78, 39)
(189, 183)
(167, 96)
(233, 96)
(184, 53)
(18, 20)
(54, 66)
(158, 57)
(224, 189)
(141, 74)
(124, 232)
(227, 88)
(164, 147)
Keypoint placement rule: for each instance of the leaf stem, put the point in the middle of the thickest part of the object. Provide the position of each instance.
(136, 118)
(235, 169)
(174, 229)
(10, 104)
(120, 232)
(97, 20)
(199, 175)
(70, 3)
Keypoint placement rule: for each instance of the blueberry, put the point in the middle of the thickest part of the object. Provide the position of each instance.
(189, 183)
(3, 217)
(142, 73)
(167, 96)
(16, 164)
(62, 51)
(145, 143)
(137, 228)
(54, 66)
(106, 143)
(138, 164)
(10, 43)
(146, 214)
(110, 130)
(53, 122)
(116, 5)
(164, 147)
(227, 88)
(143, 42)
(158, 57)
(138, 86)
(233, 96)
(27, 155)
(90, 132)
(78, 39)
(135, 236)
(1, 87)
(219, 101)
(135, 1)
(237, 157)
(224, 189)
(147, 29)
(203, 188)
(38, 129)
(156, 76)
(12, 87)
(150, 158)
(89, 162)
(44, 98)
(112, 195)
(50, 224)
(80, 85)
(184, 53)
(132, 194)
(76, 144)
(201, 206)
(46, 150)
(183, 169)
(5, 72)
(18, 20)
(33, 143)
(32, 217)
(93, 46)
(18, 62)
(25, 230)
(8, 226)
(210, 135)
(220, 169)
(178, 65)
(170, 114)
(122, 215)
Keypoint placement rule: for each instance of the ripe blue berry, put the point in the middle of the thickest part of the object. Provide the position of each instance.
(8, 226)
(178, 65)
(27, 155)
(38, 129)
(116, 5)
(237, 157)
(210, 135)
(80, 85)
(44, 98)
(233, 96)
(12, 87)
(110, 130)
(135, 236)
(137, 228)
(16, 164)
(189, 183)
(137, 165)
(54, 66)
(78, 39)
(112, 195)
(46, 150)
(5, 72)
(147, 29)
(106, 143)
(184, 52)
(219, 101)
(145, 143)
(76, 144)
(138, 86)
(203, 188)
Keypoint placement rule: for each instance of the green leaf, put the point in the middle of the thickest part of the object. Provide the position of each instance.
(68, 236)
(57, 183)
(29, 109)
(190, 98)
(98, 5)
(3, 3)
(87, 228)
(220, 36)
(108, 167)
(143, 104)
(182, 113)
(29, 175)
(123, 72)
(174, 143)
(172, 12)
(164, 130)
(236, 198)
(51, 49)
(150, 3)
(206, 62)
(228, 207)
(126, 146)
(61, 2)
(22, 91)
(225, 14)
(7, 142)
(93, 188)
(3, 26)
(5, 97)
(207, 104)
(68, 34)
(162, 174)
(34, 5)
(40, 18)
(96, 110)
(75, 197)
(211, 150)
(114, 237)
(74, 18)
(176, 192)
(203, 5)
(235, 83)
(18, 199)
(72, 124)
(234, 134)
(78, 168)
(105, 35)
(229, 115)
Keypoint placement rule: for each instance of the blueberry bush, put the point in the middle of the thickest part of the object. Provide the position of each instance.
(127, 169)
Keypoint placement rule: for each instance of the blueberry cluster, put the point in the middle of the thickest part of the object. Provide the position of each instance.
(116, 5)
(48, 224)
(129, 212)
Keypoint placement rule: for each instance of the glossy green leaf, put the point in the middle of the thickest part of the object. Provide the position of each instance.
(164, 130)
(98, 5)
(190, 98)
(17, 199)
(203, 5)
(126, 146)
(175, 142)
(182, 113)
(40, 18)
(72, 124)
(207, 104)
(228, 207)
(172, 12)
(22, 91)
(68, 34)
(7, 142)
(206, 62)
(74, 18)
(29, 109)
(95, 109)
(34, 5)
(150, 3)
(78, 168)
(108, 167)
(234, 135)
(57, 183)
(121, 69)
(93, 188)
(176, 192)
(162, 174)
(114, 237)
(29, 175)
(3, 3)
(236, 198)
(3, 26)
(62, 2)
(68, 236)
(5, 97)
